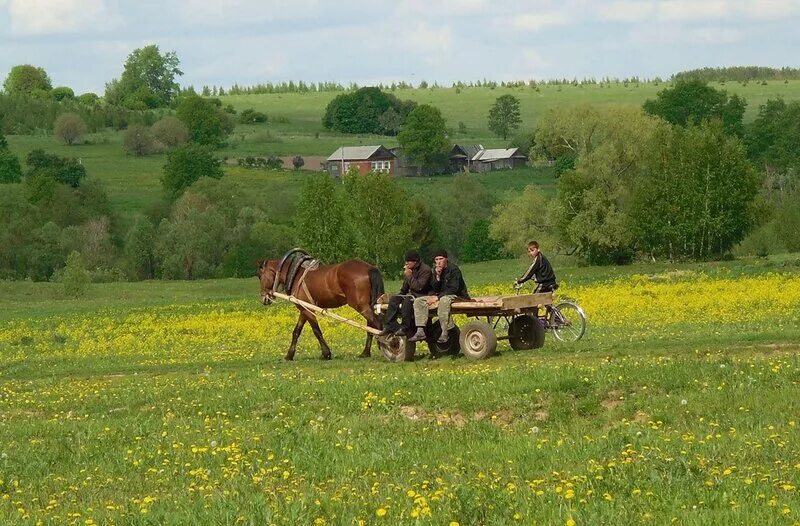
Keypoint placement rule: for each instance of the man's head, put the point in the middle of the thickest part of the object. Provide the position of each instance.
(412, 258)
(533, 248)
(440, 259)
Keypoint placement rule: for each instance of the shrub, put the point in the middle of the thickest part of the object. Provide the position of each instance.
(185, 165)
(10, 170)
(70, 128)
(274, 162)
(170, 132)
(250, 116)
(298, 162)
(74, 279)
(62, 93)
(139, 141)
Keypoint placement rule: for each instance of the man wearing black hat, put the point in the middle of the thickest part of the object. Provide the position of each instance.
(417, 282)
(448, 284)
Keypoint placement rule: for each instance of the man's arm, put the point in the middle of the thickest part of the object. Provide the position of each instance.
(451, 285)
(421, 282)
(530, 272)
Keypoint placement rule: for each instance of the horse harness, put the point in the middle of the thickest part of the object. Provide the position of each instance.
(299, 260)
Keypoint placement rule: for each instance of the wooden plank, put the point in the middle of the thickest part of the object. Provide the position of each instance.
(326, 312)
(523, 301)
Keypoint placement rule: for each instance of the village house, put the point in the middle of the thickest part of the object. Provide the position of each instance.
(476, 158)
(364, 158)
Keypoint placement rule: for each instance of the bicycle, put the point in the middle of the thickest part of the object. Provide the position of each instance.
(565, 319)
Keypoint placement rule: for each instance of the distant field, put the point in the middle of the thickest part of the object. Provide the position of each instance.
(169, 403)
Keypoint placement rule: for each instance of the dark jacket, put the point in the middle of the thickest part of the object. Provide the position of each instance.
(420, 283)
(540, 270)
(450, 283)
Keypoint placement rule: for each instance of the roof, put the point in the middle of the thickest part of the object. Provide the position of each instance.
(496, 154)
(470, 150)
(355, 153)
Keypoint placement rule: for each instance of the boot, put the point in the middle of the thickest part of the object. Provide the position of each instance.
(418, 336)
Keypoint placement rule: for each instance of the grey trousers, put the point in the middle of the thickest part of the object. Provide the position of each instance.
(421, 312)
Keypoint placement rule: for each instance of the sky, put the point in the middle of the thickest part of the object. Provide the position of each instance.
(83, 44)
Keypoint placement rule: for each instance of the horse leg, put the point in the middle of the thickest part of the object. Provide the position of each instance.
(298, 328)
(323, 345)
(374, 322)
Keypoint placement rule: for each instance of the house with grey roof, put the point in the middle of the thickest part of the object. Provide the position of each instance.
(363, 158)
(497, 159)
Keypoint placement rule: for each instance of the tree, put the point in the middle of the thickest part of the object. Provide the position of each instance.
(170, 131)
(201, 119)
(75, 279)
(251, 116)
(772, 141)
(62, 93)
(297, 162)
(65, 170)
(70, 128)
(522, 218)
(140, 248)
(478, 246)
(465, 202)
(424, 137)
(504, 116)
(139, 140)
(365, 111)
(694, 101)
(327, 235)
(26, 79)
(695, 193)
(147, 81)
(10, 169)
(185, 165)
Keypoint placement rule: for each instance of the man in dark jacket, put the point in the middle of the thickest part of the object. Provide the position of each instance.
(448, 284)
(540, 271)
(417, 282)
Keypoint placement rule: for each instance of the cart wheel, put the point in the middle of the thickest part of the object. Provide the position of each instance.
(525, 332)
(478, 340)
(397, 348)
(568, 321)
(433, 331)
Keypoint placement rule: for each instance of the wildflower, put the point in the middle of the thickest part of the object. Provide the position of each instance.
(381, 512)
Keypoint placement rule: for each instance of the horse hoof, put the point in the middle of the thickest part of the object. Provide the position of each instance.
(288, 358)
(365, 355)
(327, 356)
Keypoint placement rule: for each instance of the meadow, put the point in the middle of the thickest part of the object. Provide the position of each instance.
(169, 403)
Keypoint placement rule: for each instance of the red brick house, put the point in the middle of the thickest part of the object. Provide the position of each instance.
(365, 158)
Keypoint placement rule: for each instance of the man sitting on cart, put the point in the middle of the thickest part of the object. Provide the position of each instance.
(417, 282)
(540, 271)
(448, 284)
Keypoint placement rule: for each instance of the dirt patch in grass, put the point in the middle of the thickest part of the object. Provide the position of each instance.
(503, 417)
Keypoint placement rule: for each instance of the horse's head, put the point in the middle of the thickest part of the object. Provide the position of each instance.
(267, 272)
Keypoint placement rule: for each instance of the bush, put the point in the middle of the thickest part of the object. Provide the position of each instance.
(139, 141)
(252, 162)
(65, 170)
(274, 162)
(74, 279)
(62, 93)
(479, 246)
(70, 128)
(298, 162)
(185, 165)
(202, 119)
(10, 170)
(250, 116)
(170, 132)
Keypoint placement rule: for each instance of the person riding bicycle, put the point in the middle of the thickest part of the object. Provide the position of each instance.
(540, 271)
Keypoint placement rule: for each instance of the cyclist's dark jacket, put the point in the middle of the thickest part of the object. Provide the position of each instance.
(540, 270)
(450, 283)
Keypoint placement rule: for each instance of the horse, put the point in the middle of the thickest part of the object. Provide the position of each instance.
(353, 282)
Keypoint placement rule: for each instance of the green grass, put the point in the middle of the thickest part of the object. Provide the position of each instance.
(168, 403)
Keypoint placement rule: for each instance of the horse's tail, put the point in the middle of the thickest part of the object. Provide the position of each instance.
(376, 282)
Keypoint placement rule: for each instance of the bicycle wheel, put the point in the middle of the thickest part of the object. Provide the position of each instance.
(568, 321)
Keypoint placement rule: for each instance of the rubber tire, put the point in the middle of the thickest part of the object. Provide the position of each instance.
(525, 332)
(433, 331)
(478, 340)
(397, 348)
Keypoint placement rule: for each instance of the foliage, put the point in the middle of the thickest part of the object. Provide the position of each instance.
(185, 165)
(772, 143)
(62, 93)
(523, 218)
(27, 79)
(10, 169)
(694, 195)
(202, 119)
(298, 162)
(376, 210)
(251, 116)
(274, 162)
(140, 248)
(325, 235)
(504, 116)
(478, 246)
(466, 202)
(424, 137)
(70, 128)
(170, 131)
(694, 101)
(65, 170)
(88, 99)
(138, 140)
(365, 111)
(75, 279)
(739, 73)
(148, 79)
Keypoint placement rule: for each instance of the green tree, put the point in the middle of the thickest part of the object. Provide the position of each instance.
(201, 119)
(522, 218)
(139, 140)
(424, 137)
(185, 165)
(772, 141)
(65, 170)
(140, 248)
(26, 79)
(695, 193)
(170, 131)
(147, 81)
(326, 236)
(10, 169)
(75, 279)
(504, 116)
(694, 101)
(366, 110)
(376, 210)
(62, 93)
(465, 202)
(70, 128)
(479, 246)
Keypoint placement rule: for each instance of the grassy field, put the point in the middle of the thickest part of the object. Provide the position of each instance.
(169, 403)
(295, 128)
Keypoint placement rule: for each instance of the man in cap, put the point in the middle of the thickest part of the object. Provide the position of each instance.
(448, 284)
(417, 282)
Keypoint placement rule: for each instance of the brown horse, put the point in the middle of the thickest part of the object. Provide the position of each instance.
(353, 282)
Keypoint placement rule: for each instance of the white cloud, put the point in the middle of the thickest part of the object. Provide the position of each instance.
(627, 11)
(59, 16)
(431, 43)
(770, 9)
(670, 34)
(222, 12)
(694, 9)
(532, 21)
(426, 8)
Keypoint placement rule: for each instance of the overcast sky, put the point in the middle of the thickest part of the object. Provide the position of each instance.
(83, 43)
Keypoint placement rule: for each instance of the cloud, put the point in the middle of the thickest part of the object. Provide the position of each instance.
(224, 12)
(59, 16)
(426, 8)
(627, 11)
(532, 21)
(671, 34)
(693, 9)
(433, 44)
